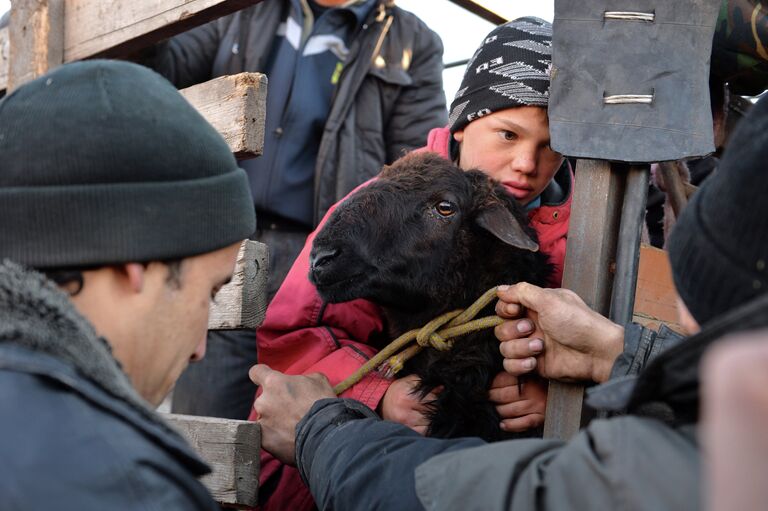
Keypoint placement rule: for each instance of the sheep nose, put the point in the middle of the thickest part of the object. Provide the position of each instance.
(323, 257)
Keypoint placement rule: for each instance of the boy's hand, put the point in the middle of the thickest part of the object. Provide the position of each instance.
(401, 404)
(519, 412)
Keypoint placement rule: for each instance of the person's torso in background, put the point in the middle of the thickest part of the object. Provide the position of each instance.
(310, 48)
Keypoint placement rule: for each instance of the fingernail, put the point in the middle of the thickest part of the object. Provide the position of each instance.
(524, 326)
(502, 426)
(503, 287)
(536, 345)
(528, 363)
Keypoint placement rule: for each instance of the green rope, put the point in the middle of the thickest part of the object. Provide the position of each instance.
(395, 354)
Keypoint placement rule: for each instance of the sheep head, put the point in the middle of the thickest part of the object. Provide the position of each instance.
(423, 231)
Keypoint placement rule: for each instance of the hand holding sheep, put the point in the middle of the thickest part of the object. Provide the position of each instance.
(560, 337)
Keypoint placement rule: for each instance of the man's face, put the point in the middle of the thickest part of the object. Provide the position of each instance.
(175, 320)
(511, 146)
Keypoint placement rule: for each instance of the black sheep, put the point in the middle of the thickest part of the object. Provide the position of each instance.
(423, 239)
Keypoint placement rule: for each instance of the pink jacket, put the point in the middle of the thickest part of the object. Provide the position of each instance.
(301, 334)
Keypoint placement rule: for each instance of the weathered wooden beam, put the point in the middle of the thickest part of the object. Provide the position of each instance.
(5, 51)
(36, 35)
(232, 449)
(477, 8)
(115, 28)
(674, 185)
(243, 302)
(107, 28)
(235, 105)
(590, 252)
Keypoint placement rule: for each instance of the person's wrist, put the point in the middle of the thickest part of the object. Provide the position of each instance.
(612, 344)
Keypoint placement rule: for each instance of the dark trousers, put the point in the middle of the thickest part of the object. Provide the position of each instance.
(218, 385)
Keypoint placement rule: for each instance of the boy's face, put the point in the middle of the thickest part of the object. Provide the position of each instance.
(511, 146)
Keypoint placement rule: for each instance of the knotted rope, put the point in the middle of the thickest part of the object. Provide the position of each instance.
(456, 323)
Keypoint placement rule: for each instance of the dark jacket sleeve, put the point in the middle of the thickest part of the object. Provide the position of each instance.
(420, 106)
(352, 460)
(187, 59)
(641, 346)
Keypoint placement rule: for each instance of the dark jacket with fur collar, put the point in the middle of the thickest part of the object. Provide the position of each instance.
(74, 434)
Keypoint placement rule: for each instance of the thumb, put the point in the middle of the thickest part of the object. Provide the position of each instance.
(259, 373)
(525, 294)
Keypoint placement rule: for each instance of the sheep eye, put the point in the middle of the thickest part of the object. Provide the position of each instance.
(445, 208)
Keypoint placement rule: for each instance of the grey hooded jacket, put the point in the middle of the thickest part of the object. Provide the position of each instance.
(389, 94)
(646, 457)
(348, 456)
(74, 434)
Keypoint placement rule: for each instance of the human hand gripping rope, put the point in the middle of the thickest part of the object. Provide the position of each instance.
(390, 360)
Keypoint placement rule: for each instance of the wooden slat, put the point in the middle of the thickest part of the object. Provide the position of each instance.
(231, 447)
(114, 28)
(591, 249)
(477, 8)
(674, 184)
(108, 28)
(243, 302)
(5, 48)
(235, 105)
(36, 34)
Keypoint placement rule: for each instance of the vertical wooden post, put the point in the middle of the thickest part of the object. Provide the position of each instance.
(591, 249)
(36, 32)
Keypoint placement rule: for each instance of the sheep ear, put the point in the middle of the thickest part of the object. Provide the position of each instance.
(500, 222)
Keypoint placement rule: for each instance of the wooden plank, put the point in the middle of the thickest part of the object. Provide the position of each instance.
(674, 185)
(477, 8)
(5, 49)
(115, 28)
(243, 302)
(36, 34)
(235, 105)
(590, 252)
(232, 449)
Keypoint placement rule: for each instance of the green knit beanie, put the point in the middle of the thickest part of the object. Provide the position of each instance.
(105, 162)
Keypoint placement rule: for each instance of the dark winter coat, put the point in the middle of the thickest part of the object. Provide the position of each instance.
(386, 101)
(648, 459)
(74, 434)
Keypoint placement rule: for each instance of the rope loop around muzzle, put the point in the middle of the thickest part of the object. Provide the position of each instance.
(440, 334)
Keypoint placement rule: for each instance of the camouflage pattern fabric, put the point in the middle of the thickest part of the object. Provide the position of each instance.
(740, 47)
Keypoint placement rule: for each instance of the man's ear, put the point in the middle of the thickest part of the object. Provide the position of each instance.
(500, 222)
(134, 273)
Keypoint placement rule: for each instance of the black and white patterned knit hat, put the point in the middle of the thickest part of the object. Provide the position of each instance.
(510, 68)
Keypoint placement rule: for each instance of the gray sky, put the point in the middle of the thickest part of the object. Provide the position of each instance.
(460, 30)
